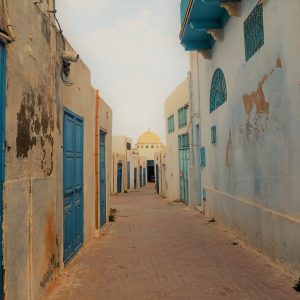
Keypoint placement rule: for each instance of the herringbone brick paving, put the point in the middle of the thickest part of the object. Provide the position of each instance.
(162, 250)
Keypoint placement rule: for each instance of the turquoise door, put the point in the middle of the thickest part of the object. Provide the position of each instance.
(72, 183)
(184, 162)
(119, 178)
(135, 178)
(157, 179)
(102, 179)
(141, 176)
(2, 148)
(128, 175)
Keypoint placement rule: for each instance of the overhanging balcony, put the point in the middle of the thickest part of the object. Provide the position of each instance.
(202, 20)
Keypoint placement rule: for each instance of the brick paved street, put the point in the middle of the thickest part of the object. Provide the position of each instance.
(161, 250)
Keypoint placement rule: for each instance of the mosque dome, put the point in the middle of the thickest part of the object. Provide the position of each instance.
(149, 137)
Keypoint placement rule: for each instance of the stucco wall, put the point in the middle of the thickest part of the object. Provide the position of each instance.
(178, 98)
(252, 174)
(33, 195)
(28, 201)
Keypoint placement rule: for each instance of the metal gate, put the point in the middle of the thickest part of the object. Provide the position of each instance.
(72, 183)
(184, 161)
(102, 179)
(157, 179)
(119, 178)
(135, 178)
(2, 148)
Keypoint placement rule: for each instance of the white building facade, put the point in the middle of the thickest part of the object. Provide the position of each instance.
(244, 94)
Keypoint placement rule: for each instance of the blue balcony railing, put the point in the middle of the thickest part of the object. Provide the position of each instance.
(183, 7)
(198, 18)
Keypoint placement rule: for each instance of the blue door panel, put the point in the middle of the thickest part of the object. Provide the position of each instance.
(119, 178)
(73, 183)
(128, 175)
(135, 178)
(2, 148)
(184, 159)
(102, 178)
(141, 176)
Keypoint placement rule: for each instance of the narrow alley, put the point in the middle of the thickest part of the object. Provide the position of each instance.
(157, 249)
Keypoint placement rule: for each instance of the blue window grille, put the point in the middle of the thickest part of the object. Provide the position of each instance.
(218, 91)
(254, 31)
(214, 135)
(203, 157)
(171, 124)
(182, 116)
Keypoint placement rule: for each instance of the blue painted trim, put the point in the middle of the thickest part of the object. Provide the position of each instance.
(2, 141)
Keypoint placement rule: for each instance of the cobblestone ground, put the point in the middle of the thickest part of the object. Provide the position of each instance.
(162, 250)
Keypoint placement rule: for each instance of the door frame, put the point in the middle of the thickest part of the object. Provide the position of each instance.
(2, 150)
(69, 112)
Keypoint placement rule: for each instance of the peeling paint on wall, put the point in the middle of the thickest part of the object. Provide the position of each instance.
(257, 107)
(35, 125)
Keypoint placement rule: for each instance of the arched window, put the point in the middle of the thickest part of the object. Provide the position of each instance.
(218, 92)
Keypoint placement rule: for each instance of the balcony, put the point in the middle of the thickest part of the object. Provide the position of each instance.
(202, 21)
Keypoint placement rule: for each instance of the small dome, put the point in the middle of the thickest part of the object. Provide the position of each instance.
(149, 138)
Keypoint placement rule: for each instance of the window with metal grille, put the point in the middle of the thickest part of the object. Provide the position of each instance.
(214, 135)
(203, 157)
(171, 124)
(182, 116)
(218, 91)
(254, 31)
(183, 141)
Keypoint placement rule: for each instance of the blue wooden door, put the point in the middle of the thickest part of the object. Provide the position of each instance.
(119, 178)
(141, 176)
(135, 178)
(72, 183)
(184, 161)
(144, 176)
(128, 175)
(102, 178)
(2, 148)
(157, 179)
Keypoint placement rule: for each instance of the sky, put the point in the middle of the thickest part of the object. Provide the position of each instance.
(134, 54)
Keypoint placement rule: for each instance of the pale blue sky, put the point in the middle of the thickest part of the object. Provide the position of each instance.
(134, 54)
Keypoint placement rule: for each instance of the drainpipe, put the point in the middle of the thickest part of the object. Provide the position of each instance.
(11, 36)
(97, 159)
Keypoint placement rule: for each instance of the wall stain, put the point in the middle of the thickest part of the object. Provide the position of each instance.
(35, 125)
(46, 30)
(228, 150)
(49, 248)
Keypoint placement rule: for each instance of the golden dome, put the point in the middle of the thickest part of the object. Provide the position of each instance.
(149, 138)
